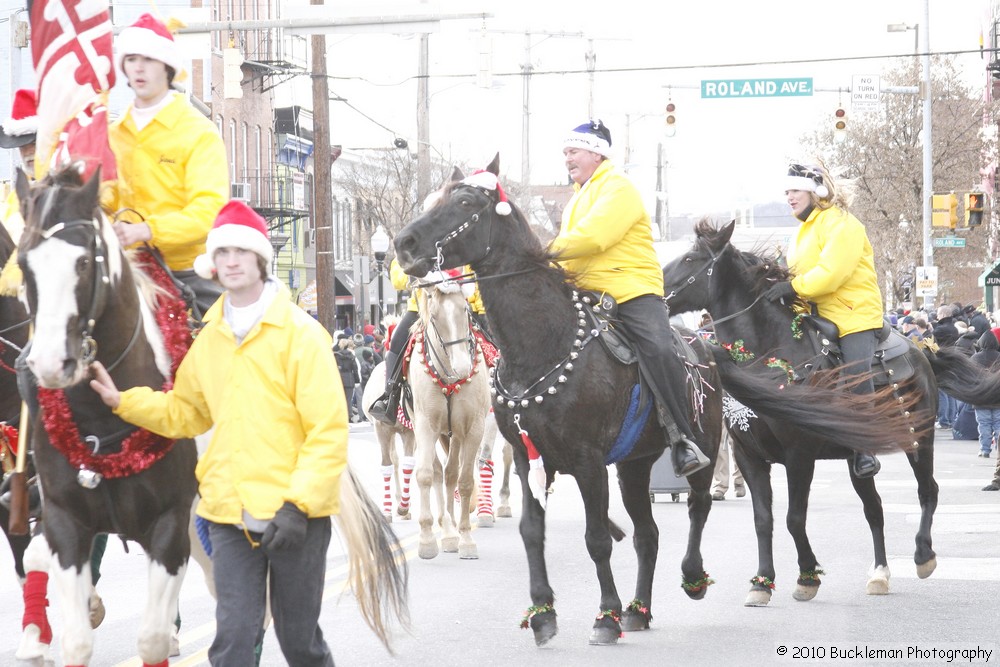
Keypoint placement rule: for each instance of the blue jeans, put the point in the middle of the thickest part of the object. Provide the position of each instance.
(989, 427)
(947, 409)
(297, 579)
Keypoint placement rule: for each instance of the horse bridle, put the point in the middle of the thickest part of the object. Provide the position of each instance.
(465, 226)
(709, 269)
(101, 284)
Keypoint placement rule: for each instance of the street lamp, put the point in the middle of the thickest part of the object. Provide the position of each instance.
(926, 135)
(380, 246)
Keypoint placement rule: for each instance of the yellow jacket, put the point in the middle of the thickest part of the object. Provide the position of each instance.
(834, 267)
(175, 173)
(10, 216)
(278, 407)
(606, 240)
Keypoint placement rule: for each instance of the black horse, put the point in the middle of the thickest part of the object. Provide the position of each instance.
(729, 283)
(13, 337)
(559, 391)
(99, 474)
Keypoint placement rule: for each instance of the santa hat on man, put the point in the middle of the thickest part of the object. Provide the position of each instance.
(22, 126)
(149, 37)
(236, 226)
(593, 136)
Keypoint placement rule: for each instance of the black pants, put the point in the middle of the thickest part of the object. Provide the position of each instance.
(858, 350)
(647, 322)
(206, 292)
(401, 333)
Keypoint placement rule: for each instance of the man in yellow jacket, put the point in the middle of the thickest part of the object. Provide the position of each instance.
(263, 372)
(834, 267)
(606, 243)
(171, 160)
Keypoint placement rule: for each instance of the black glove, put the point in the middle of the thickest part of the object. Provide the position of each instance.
(781, 291)
(287, 529)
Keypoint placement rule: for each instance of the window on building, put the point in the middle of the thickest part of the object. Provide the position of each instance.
(232, 149)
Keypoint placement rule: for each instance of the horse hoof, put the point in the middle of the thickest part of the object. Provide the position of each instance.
(877, 586)
(925, 570)
(544, 628)
(428, 551)
(485, 520)
(387, 516)
(804, 593)
(96, 610)
(504, 512)
(757, 598)
(449, 545)
(468, 552)
(604, 636)
(634, 621)
(403, 511)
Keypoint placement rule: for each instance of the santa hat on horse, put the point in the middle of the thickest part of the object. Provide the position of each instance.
(22, 126)
(151, 38)
(236, 226)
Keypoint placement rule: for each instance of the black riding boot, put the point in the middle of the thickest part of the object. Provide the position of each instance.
(865, 465)
(385, 407)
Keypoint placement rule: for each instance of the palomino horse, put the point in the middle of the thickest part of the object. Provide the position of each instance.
(716, 276)
(103, 475)
(447, 376)
(559, 391)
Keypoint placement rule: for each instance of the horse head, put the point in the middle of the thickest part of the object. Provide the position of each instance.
(688, 278)
(69, 256)
(457, 228)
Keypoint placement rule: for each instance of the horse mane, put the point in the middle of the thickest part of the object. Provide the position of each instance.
(759, 269)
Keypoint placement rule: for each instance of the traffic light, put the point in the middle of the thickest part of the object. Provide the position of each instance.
(945, 210)
(974, 209)
(839, 124)
(671, 120)
(232, 74)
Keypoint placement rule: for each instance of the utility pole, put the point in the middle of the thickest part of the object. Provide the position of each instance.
(326, 275)
(423, 122)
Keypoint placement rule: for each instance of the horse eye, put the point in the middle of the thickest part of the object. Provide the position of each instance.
(82, 264)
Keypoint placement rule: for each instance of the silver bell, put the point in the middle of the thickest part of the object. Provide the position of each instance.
(88, 479)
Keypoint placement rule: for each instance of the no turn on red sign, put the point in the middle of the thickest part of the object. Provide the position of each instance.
(866, 92)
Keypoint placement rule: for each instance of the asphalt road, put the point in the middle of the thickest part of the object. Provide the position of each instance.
(467, 612)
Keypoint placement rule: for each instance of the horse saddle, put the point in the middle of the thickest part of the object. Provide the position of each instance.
(890, 363)
(601, 311)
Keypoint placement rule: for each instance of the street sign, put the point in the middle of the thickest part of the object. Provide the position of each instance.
(949, 242)
(730, 88)
(866, 92)
(927, 281)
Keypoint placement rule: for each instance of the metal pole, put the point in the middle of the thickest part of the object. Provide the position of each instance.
(381, 297)
(928, 187)
(423, 123)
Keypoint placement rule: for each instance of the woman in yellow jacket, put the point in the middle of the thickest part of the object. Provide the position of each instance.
(834, 267)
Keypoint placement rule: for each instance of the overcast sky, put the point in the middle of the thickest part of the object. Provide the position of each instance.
(726, 151)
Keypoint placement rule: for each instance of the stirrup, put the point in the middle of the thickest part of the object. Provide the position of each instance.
(687, 458)
(865, 465)
(383, 410)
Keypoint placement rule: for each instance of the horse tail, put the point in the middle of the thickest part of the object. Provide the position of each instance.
(959, 376)
(876, 424)
(377, 571)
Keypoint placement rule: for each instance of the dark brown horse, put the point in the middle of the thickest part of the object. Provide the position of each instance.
(559, 390)
(716, 276)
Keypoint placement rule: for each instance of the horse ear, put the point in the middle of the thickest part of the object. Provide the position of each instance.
(726, 233)
(92, 186)
(494, 166)
(457, 174)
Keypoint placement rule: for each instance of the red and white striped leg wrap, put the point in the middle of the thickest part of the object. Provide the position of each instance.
(165, 663)
(485, 505)
(387, 498)
(36, 586)
(406, 465)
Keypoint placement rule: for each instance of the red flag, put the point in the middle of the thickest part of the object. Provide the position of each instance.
(71, 47)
